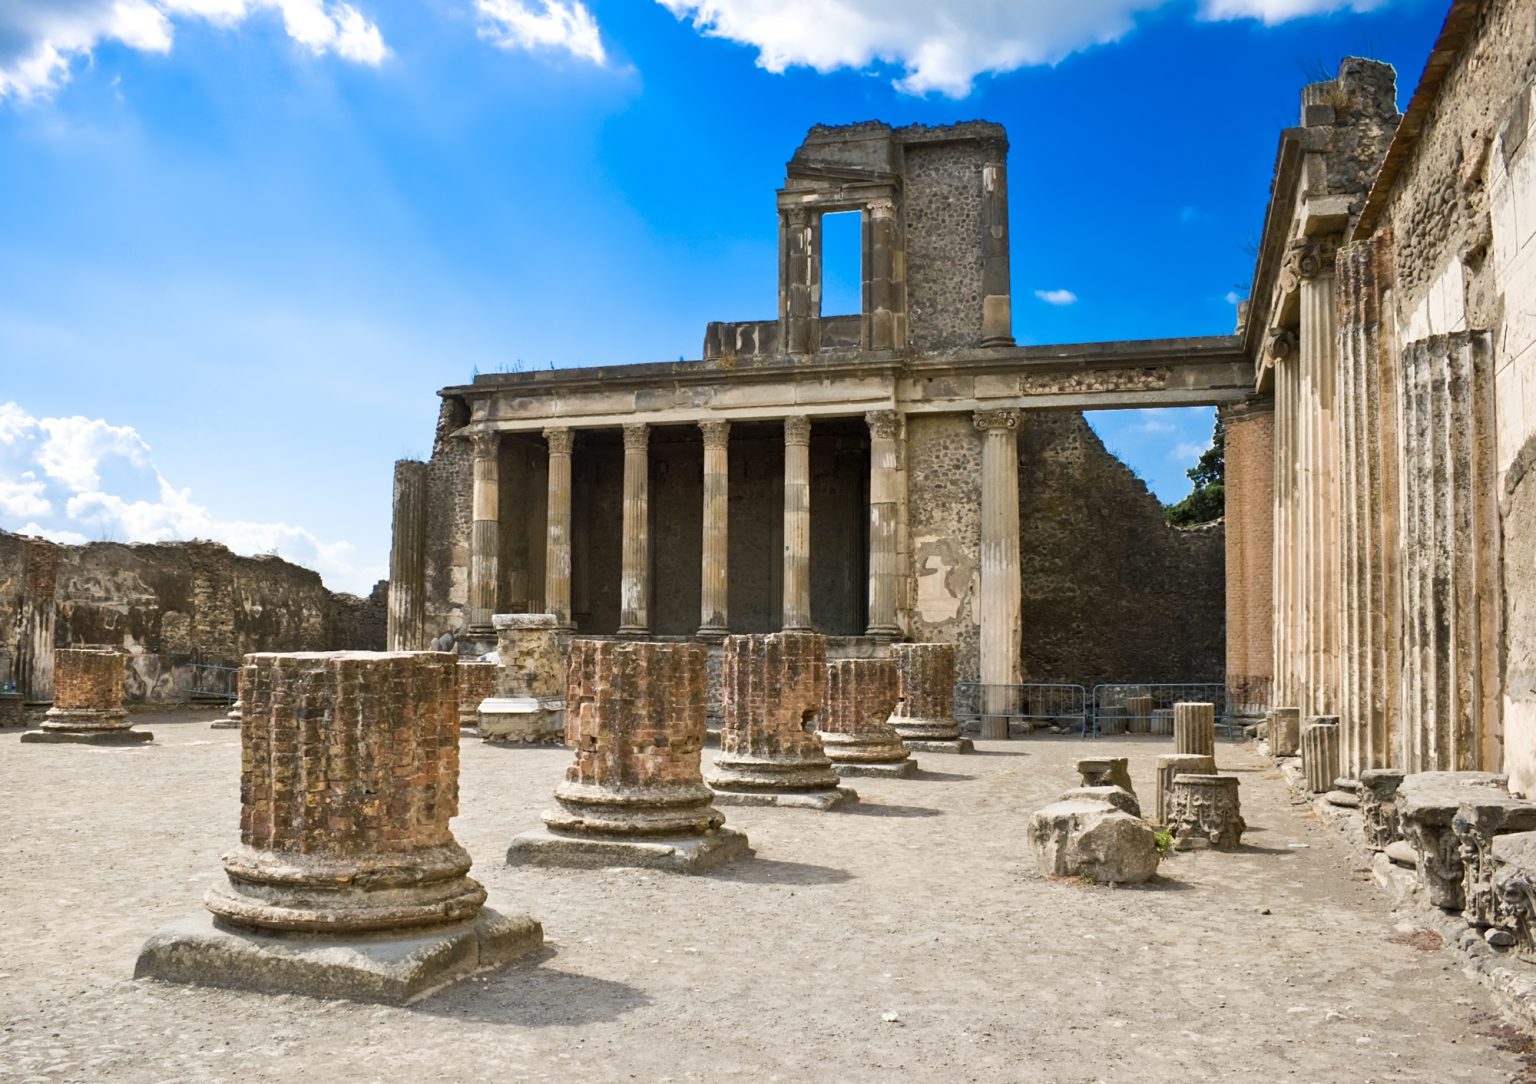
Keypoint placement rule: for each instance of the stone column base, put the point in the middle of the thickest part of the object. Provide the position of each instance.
(87, 728)
(926, 745)
(393, 970)
(521, 720)
(901, 769)
(690, 854)
(824, 800)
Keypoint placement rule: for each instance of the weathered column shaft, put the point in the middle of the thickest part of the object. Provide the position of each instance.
(884, 573)
(485, 530)
(714, 595)
(407, 620)
(885, 315)
(1000, 575)
(797, 523)
(799, 279)
(635, 544)
(1319, 361)
(1320, 752)
(1282, 349)
(996, 281)
(557, 542)
(37, 621)
(1249, 545)
(1194, 728)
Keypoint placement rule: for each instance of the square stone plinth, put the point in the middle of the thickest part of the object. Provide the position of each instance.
(694, 854)
(822, 800)
(88, 737)
(959, 745)
(390, 970)
(902, 769)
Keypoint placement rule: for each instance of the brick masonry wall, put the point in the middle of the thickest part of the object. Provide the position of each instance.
(88, 680)
(635, 713)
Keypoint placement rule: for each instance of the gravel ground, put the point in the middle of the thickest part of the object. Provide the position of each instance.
(1275, 963)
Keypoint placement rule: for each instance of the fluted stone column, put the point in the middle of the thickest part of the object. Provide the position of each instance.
(485, 530)
(1281, 349)
(996, 281)
(1285, 732)
(349, 777)
(407, 620)
(1320, 752)
(1194, 728)
(924, 715)
(799, 279)
(635, 545)
(884, 575)
(557, 544)
(1000, 577)
(1313, 264)
(714, 595)
(797, 523)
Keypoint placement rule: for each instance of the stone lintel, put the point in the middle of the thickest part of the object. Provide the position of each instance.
(694, 854)
(901, 769)
(203, 951)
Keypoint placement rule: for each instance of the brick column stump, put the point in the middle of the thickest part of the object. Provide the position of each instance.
(924, 717)
(13, 710)
(475, 681)
(859, 696)
(770, 753)
(87, 701)
(527, 704)
(347, 881)
(635, 795)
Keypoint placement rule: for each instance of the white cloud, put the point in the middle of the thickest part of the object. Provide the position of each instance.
(1233, 297)
(943, 47)
(51, 463)
(1156, 419)
(1187, 450)
(557, 24)
(1057, 297)
(40, 39)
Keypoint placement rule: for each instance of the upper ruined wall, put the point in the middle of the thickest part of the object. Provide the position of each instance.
(172, 604)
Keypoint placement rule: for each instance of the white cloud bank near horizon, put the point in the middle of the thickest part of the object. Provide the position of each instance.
(41, 39)
(51, 485)
(943, 48)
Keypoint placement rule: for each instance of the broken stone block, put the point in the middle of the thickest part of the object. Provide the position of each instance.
(634, 795)
(1514, 889)
(1162, 722)
(1170, 765)
(476, 681)
(1086, 837)
(1478, 820)
(348, 881)
(1122, 799)
(1194, 728)
(13, 710)
(87, 701)
(924, 717)
(1320, 752)
(1205, 811)
(1138, 714)
(770, 754)
(1284, 732)
(1426, 805)
(527, 703)
(1105, 771)
(855, 707)
(1378, 806)
(230, 720)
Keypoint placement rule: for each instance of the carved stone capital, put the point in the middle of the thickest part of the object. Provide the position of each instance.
(797, 218)
(637, 436)
(1306, 259)
(560, 440)
(1006, 418)
(797, 429)
(717, 434)
(486, 443)
(1280, 343)
(881, 207)
(883, 424)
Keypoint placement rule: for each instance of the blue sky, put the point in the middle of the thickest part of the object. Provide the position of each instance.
(242, 242)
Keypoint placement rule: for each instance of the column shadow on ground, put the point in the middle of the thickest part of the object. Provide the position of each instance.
(527, 994)
(772, 871)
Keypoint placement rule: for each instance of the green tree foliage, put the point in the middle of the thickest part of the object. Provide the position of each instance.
(1207, 501)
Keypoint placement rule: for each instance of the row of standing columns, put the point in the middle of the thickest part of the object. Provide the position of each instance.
(1000, 589)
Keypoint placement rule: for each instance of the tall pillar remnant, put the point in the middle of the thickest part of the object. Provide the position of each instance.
(1194, 728)
(884, 573)
(635, 545)
(885, 302)
(485, 531)
(770, 753)
(797, 523)
(924, 717)
(1250, 486)
(88, 701)
(407, 620)
(714, 594)
(634, 796)
(348, 881)
(799, 279)
(855, 708)
(1001, 585)
(996, 280)
(557, 543)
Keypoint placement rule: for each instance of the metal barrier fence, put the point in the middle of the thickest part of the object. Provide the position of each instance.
(1119, 709)
(213, 684)
(1032, 704)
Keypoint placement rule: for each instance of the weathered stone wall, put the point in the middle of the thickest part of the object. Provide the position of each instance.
(449, 474)
(944, 518)
(942, 199)
(172, 604)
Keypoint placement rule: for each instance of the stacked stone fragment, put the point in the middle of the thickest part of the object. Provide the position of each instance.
(1205, 810)
(476, 681)
(1427, 803)
(772, 687)
(349, 776)
(1378, 806)
(87, 701)
(634, 795)
(1170, 765)
(924, 717)
(856, 705)
(528, 701)
(1284, 732)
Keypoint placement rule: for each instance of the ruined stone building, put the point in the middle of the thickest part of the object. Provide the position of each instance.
(904, 472)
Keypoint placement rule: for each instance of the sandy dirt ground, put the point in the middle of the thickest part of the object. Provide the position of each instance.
(1275, 963)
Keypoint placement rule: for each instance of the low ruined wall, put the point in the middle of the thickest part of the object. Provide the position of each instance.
(171, 605)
